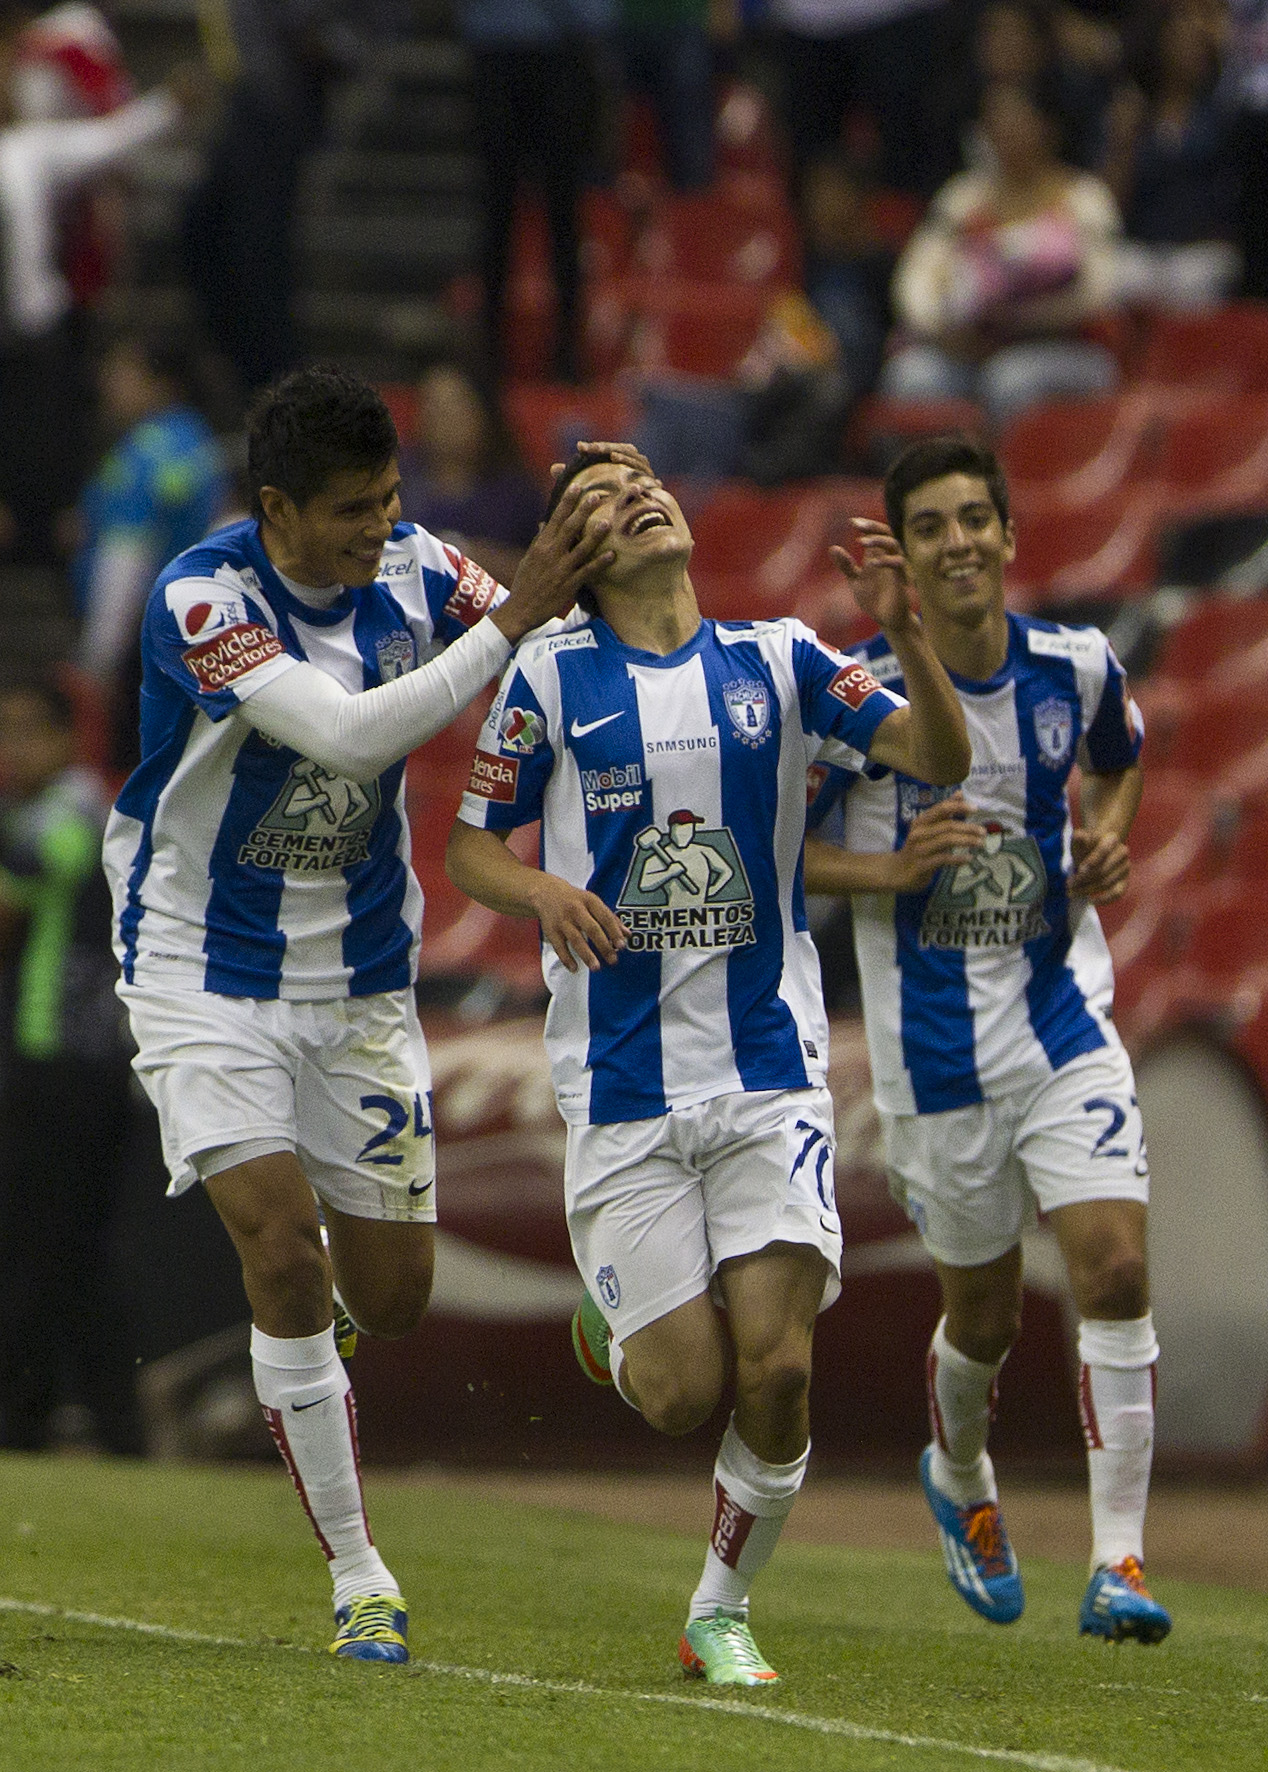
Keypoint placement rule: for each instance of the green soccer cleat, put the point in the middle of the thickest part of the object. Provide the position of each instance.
(721, 1650)
(372, 1628)
(590, 1338)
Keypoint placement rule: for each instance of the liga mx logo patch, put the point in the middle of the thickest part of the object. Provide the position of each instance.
(1054, 731)
(748, 705)
(609, 1286)
(520, 729)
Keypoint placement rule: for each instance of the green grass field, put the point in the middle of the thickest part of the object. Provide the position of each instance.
(545, 1641)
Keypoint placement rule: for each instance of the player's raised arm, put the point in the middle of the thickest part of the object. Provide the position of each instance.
(928, 739)
(577, 924)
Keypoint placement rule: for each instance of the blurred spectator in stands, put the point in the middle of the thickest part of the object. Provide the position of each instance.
(1019, 42)
(64, 1105)
(666, 50)
(1246, 92)
(537, 80)
(42, 428)
(1171, 162)
(818, 352)
(888, 59)
(70, 65)
(992, 288)
(462, 476)
(278, 60)
(161, 487)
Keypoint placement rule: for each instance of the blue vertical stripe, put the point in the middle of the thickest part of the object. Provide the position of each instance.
(243, 944)
(377, 939)
(139, 799)
(764, 1036)
(1058, 1013)
(627, 1080)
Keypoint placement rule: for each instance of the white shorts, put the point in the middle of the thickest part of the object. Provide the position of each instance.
(655, 1205)
(970, 1179)
(345, 1084)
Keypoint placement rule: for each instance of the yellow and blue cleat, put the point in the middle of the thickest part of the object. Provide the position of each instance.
(590, 1339)
(980, 1563)
(1119, 1607)
(346, 1331)
(721, 1650)
(372, 1628)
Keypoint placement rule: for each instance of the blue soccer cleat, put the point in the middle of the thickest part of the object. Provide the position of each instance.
(372, 1628)
(980, 1561)
(1119, 1607)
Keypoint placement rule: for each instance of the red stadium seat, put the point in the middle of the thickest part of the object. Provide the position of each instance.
(1209, 960)
(1215, 457)
(1070, 453)
(1225, 638)
(880, 422)
(546, 418)
(1105, 548)
(1194, 728)
(1219, 348)
(775, 537)
(697, 328)
(401, 400)
(700, 238)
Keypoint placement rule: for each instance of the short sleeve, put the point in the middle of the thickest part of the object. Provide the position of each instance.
(840, 698)
(513, 760)
(1117, 730)
(212, 641)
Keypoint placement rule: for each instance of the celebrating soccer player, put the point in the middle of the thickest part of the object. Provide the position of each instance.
(666, 759)
(999, 1076)
(267, 921)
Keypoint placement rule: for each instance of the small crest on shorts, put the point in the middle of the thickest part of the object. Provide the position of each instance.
(748, 704)
(1054, 731)
(609, 1286)
(395, 655)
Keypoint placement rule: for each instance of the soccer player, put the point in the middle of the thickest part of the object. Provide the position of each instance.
(666, 758)
(999, 1076)
(266, 918)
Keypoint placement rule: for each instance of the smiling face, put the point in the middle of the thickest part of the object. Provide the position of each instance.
(337, 536)
(957, 547)
(648, 528)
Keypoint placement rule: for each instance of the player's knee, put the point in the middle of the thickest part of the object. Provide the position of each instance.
(986, 1333)
(397, 1303)
(776, 1382)
(1116, 1286)
(676, 1403)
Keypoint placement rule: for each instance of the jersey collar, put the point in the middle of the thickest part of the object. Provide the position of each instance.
(1004, 675)
(658, 661)
(295, 607)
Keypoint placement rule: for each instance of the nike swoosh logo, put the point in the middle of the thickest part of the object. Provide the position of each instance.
(414, 1188)
(298, 1406)
(579, 731)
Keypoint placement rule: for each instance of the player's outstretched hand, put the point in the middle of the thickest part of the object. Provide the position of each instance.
(942, 836)
(880, 583)
(1101, 866)
(566, 549)
(577, 924)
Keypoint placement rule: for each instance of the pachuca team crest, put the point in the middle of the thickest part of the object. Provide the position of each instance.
(993, 900)
(748, 706)
(686, 888)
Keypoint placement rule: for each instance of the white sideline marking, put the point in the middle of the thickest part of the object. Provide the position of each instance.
(765, 1713)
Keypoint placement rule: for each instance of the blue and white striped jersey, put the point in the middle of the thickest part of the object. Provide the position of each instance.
(237, 865)
(992, 977)
(675, 789)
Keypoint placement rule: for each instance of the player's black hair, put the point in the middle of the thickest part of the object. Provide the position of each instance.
(312, 424)
(576, 464)
(930, 458)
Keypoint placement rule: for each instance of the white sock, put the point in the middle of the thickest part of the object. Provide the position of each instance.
(1118, 1365)
(307, 1400)
(753, 1501)
(961, 1405)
